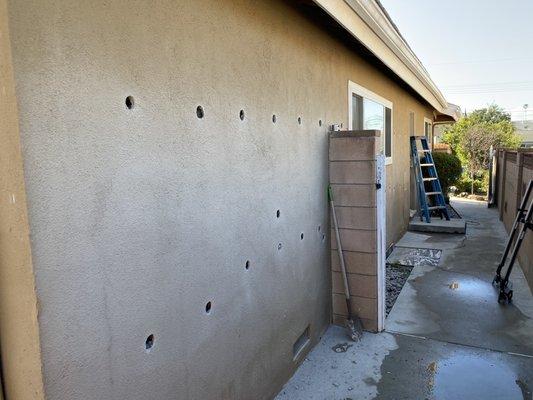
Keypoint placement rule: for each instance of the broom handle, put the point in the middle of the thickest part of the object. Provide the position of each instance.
(339, 249)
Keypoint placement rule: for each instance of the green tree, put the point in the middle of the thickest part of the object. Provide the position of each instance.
(473, 135)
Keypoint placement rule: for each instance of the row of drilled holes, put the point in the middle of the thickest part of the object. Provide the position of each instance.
(130, 103)
(149, 343)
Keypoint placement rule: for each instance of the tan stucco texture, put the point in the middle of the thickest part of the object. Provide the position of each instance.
(19, 335)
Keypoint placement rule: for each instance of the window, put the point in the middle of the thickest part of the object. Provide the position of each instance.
(427, 130)
(367, 110)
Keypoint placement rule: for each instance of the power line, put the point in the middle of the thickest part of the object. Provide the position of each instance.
(495, 60)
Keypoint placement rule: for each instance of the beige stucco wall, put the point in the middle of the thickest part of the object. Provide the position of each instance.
(139, 217)
(19, 334)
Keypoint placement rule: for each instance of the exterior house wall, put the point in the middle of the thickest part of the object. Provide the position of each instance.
(19, 330)
(140, 217)
(514, 171)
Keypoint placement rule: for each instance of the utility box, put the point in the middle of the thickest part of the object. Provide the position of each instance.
(357, 179)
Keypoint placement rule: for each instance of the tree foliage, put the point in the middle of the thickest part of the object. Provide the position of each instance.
(449, 169)
(473, 135)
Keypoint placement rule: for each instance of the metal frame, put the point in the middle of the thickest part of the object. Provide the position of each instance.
(523, 221)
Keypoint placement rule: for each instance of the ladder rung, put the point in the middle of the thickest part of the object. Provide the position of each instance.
(429, 179)
(425, 150)
(436, 207)
(427, 165)
(432, 193)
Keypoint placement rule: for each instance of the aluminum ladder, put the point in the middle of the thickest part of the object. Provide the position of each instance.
(430, 196)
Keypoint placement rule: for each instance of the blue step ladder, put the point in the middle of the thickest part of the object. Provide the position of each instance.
(430, 194)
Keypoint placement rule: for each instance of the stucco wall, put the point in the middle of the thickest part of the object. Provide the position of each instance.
(19, 331)
(140, 217)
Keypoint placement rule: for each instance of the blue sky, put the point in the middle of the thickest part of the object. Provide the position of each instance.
(477, 51)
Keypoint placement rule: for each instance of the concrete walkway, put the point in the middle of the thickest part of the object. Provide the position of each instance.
(446, 337)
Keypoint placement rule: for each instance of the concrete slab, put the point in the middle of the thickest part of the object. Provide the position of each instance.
(455, 301)
(428, 369)
(447, 337)
(393, 366)
(437, 225)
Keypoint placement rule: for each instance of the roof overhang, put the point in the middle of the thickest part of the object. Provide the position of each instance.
(369, 23)
(450, 114)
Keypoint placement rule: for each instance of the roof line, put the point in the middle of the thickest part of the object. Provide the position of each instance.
(369, 22)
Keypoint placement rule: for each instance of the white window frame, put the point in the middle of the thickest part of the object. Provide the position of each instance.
(354, 88)
(429, 137)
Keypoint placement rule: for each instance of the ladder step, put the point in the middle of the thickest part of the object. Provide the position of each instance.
(427, 165)
(425, 150)
(432, 193)
(429, 179)
(436, 207)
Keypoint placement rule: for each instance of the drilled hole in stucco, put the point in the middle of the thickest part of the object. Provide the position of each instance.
(208, 307)
(274, 118)
(319, 122)
(319, 228)
(280, 246)
(278, 213)
(302, 236)
(149, 343)
(247, 265)
(130, 102)
(241, 115)
(199, 112)
(323, 237)
(300, 120)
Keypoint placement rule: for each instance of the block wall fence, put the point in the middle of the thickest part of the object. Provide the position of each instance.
(352, 173)
(514, 170)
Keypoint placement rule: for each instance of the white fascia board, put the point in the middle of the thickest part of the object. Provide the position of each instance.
(366, 21)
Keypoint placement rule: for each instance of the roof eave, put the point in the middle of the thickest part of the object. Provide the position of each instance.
(369, 23)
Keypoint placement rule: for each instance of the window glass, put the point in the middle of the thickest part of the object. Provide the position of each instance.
(357, 112)
(373, 115)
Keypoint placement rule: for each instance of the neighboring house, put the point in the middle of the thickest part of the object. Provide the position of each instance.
(163, 217)
(525, 130)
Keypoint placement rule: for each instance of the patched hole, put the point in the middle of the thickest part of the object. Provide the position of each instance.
(200, 112)
(247, 265)
(274, 119)
(130, 102)
(241, 115)
(208, 307)
(149, 342)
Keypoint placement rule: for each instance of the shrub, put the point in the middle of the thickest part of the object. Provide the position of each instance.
(464, 184)
(449, 169)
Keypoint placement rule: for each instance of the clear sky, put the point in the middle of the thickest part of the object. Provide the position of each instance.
(477, 51)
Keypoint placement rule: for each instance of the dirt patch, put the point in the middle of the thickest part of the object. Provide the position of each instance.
(396, 276)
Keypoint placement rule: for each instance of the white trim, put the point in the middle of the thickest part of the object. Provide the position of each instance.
(430, 122)
(369, 23)
(368, 94)
(381, 239)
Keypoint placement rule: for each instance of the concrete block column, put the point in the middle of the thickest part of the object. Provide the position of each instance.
(354, 167)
